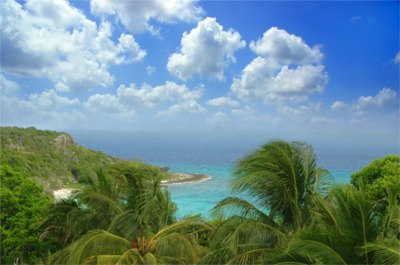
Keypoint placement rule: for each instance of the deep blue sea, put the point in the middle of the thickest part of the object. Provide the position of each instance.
(216, 154)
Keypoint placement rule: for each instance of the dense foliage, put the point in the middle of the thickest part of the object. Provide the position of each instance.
(51, 158)
(22, 206)
(295, 215)
(381, 182)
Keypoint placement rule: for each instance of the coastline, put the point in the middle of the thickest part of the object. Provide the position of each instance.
(177, 178)
(180, 177)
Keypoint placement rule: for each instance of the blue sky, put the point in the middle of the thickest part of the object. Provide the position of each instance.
(203, 65)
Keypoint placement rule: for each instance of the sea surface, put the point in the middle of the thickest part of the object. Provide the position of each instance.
(216, 155)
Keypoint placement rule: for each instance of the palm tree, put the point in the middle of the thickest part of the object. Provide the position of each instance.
(343, 225)
(124, 216)
(283, 179)
(173, 244)
(129, 192)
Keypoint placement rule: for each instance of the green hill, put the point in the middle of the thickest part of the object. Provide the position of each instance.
(51, 158)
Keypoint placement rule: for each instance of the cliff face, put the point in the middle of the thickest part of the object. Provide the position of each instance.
(51, 158)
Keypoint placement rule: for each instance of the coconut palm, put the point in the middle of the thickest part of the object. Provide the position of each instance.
(174, 244)
(126, 201)
(342, 226)
(283, 179)
(126, 193)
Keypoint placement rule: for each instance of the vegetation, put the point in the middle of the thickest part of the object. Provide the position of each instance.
(294, 214)
(22, 206)
(127, 218)
(51, 158)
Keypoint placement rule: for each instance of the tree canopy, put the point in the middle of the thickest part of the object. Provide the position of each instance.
(23, 204)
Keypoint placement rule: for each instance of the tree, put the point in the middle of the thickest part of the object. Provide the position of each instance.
(23, 204)
(283, 178)
(125, 216)
(343, 224)
(380, 179)
(173, 244)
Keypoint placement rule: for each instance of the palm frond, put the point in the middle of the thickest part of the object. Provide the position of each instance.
(318, 251)
(384, 254)
(237, 206)
(92, 244)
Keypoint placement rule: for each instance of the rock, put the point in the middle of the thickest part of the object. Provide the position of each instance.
(164, 169)
(63, 140)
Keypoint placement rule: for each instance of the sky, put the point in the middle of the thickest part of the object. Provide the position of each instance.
(321, 67)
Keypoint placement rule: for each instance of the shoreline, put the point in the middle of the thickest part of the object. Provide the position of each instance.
(180, 178)
(177, 178)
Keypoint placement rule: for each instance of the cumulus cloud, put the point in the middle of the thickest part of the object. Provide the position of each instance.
(205, 51)
(105, 103)
(151, 97)
(285, 48)
(131, 98)
(190, 106)
(138, 15)
(40, 109)
(223, 102)
(385, 99)
(55, 40)
(286, 69)
(49, 99)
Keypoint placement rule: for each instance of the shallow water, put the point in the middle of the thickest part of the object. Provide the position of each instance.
(216, 156)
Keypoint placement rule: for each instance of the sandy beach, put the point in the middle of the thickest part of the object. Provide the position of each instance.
(62, 194)
(177, 178)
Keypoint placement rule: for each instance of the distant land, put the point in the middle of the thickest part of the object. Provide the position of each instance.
(56, 161)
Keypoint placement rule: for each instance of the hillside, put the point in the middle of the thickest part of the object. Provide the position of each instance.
(51, 158)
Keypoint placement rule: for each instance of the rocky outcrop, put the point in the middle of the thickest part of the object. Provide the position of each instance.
(63, 140)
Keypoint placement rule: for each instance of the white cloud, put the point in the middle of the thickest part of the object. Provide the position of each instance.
(273, 83)
(339, 106)
(190, 106)
(7, 86)
(151, 97)
(223, 102)
(138, 15)
(285, 48)
(131, 98)
(285, 70)
(41, 109)
(49, 99)
(55, 40)
(384, 98)
(105, 103)
(206, 50)
(397, 58)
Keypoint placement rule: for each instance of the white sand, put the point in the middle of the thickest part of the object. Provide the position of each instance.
(62, 194)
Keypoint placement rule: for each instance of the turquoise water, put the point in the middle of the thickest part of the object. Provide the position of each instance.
(216, 156)
(193, 198)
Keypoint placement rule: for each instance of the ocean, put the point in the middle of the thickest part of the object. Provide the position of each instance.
(215, 154)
